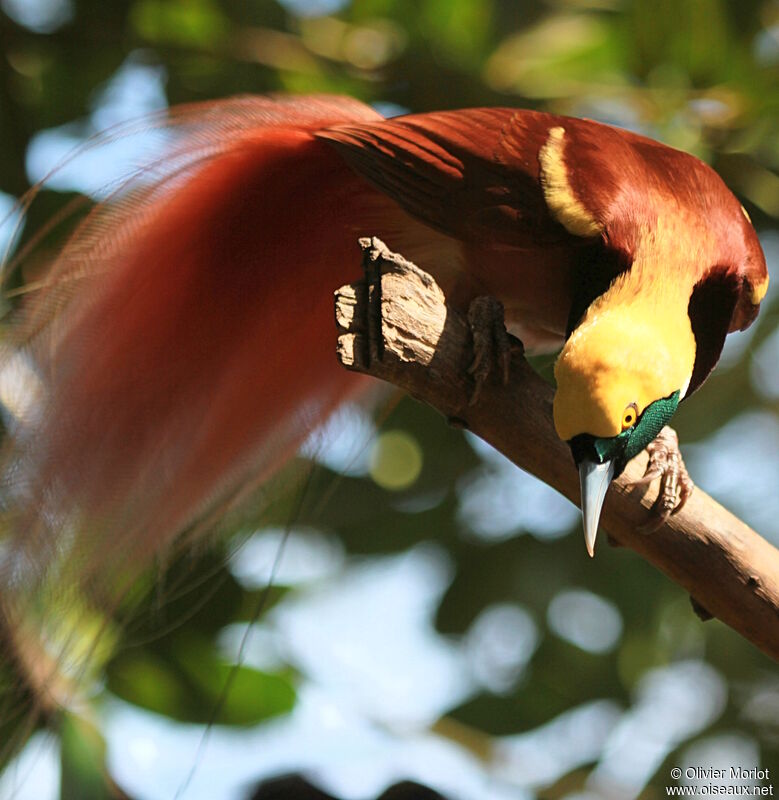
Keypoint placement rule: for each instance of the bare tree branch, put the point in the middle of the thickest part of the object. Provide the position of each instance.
(396, 326)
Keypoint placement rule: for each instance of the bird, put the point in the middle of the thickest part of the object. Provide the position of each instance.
(182, 338)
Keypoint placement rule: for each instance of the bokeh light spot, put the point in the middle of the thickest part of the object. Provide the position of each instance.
(40, 16)
(396, 460)
(586, 620)
(500, 642)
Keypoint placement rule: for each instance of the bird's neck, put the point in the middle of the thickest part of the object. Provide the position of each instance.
(649, 304)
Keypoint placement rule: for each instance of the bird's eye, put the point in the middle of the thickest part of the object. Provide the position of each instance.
(629, 416)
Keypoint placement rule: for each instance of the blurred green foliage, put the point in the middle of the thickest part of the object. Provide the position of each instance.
(697, 74)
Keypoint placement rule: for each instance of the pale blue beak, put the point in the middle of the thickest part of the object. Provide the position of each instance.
(594, 480)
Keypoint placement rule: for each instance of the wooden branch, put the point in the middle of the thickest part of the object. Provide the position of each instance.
(396, 326)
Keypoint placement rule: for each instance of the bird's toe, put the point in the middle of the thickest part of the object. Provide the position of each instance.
(491, 343)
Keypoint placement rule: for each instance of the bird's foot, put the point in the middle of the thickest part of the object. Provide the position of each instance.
(665, 462)
(491, 343)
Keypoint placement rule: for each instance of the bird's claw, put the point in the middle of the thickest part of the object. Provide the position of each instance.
(491, 343)
(666, 463)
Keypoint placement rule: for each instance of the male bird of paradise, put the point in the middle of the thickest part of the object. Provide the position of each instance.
(161, 394)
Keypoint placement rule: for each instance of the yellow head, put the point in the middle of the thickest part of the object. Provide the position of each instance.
(620, 377)
(620, 356)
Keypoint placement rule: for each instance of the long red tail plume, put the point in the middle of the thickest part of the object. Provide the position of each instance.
(183, 336)
(180, 346)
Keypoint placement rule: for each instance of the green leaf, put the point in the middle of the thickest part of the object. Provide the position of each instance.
(194, 23)
(188, 682)
(240, 695)
(564, 55)
(82, 756)
(145, 680)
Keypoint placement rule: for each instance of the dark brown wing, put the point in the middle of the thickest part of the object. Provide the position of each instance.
(476, 175)
(472, 174)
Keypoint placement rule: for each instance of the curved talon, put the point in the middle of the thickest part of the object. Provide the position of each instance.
(648, 477)
(685, 490)
(682, 503)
